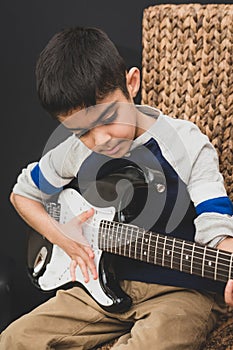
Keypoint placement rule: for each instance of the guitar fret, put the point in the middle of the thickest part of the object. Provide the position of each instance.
(216, 262)
(160, 249)
(156, 249)
(114, 239)
(136, 245)
(146, 251)
(177, 255)
(193, 250)
(149, 248)
(187, 257)
(164, 246)
(197, 260)
(125, 241)
(142, 245)
(203, 263)
(182, 252)
(120, 245)
(168, 247)
(210, 256)
(119, 237)
(130, 242)
(113, 236)
(230, 267)
(222, 274)
(173, 245)
(139, 245)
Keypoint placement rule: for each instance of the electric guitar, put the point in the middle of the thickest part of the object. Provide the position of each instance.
(48, 264)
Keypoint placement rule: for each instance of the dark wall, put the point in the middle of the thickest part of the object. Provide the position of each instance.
(25, 28)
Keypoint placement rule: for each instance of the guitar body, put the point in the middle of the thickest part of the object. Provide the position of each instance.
(118, 228)
(48, 264)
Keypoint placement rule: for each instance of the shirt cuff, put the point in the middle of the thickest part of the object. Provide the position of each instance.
(212, 227)
(215, 242)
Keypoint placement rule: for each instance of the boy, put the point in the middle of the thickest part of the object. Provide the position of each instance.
(83, 82)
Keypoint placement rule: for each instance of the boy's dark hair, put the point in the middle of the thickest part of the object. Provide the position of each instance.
(77, 67)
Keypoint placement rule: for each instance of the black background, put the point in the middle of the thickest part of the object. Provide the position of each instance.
(25, 28)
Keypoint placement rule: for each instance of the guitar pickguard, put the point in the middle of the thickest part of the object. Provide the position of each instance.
(57, 271)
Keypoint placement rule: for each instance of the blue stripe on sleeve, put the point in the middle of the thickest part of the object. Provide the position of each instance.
(41, 182)
(221, 205)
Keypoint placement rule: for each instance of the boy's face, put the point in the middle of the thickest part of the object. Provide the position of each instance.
(107, 128)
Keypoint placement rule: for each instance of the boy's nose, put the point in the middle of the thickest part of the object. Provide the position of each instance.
(100, 136)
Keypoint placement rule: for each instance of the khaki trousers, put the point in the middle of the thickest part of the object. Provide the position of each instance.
(161, 318)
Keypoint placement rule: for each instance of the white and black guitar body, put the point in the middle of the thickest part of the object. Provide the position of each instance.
(114, 231)
(48, 264)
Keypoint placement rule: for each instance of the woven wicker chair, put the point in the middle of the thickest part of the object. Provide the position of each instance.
(187, 72)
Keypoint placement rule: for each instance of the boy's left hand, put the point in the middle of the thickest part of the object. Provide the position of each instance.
(228, 294)
(227, 245)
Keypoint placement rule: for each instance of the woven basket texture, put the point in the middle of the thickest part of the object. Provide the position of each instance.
(187, 72)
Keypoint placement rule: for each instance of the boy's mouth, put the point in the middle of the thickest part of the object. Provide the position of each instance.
(112, 150)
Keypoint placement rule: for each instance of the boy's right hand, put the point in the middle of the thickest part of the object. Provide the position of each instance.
(76, 246)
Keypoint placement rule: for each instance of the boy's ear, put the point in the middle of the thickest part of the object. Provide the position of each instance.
(133, 81)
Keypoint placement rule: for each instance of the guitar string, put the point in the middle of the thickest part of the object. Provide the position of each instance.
(209, 271)
(167, 246)
(177, 240)
(177, 256)
(184, 251)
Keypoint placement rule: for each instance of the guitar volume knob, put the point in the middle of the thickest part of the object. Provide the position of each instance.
(160, 188)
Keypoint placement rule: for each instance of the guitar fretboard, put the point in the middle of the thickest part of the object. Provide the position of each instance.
(174, 253)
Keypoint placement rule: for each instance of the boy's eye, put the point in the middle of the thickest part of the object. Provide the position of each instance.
(109, 119)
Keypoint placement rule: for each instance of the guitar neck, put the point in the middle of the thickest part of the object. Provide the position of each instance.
(174, 253)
